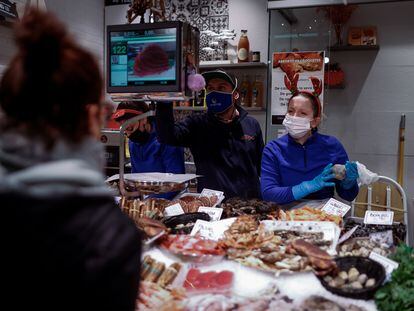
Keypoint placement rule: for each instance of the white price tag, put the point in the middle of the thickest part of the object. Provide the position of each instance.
(211, 230)
(173, 210)
(388, 264)
(209, 192)
(347, 235)
(213, 212)
(335, 207)
(379, 217)
(383, 237)
(204, 228)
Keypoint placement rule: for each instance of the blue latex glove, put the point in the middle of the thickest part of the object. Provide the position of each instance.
(351, 175)
(318, 183)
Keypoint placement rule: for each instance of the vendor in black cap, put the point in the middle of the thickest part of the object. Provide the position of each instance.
(226, 143)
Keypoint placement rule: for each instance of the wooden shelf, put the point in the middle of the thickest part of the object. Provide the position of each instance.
(234, 66)
(354, 48)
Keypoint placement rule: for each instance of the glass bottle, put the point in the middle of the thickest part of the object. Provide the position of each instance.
(245, 91)
(257, 92)
(243, 48)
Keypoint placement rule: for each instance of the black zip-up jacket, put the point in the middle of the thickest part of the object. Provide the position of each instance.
(228, 156)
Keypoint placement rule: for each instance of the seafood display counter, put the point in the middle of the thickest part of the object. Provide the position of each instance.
(251, 290)
(252, 255)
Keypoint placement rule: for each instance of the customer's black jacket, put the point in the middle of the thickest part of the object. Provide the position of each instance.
(65, 245)
(228, 156)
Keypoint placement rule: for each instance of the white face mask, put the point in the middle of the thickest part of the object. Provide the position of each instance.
(297, 127)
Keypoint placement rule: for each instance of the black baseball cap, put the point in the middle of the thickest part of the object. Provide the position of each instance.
(220, 74)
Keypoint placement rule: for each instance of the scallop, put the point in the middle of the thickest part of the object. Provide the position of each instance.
(353, 274)
(370, 282)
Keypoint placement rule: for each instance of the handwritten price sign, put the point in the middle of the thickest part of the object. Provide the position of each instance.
(379, 217)
(335, 207)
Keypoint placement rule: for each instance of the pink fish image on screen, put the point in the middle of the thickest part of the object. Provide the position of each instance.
(152, 60)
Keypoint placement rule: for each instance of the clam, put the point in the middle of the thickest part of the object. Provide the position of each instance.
(370, 282)
(362, 278)
(356, 252)
(343, 275)
(339, 282)
(353, 274)
(356, 285)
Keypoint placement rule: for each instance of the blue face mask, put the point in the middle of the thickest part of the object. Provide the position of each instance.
(218, 101)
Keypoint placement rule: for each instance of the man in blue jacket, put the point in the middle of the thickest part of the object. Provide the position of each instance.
(147, 153)
(226, 143)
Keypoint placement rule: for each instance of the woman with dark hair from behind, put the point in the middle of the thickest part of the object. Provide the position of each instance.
(65, 245)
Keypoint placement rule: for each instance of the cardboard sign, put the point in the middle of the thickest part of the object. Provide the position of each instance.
(347, 235)
(379, 217)
(173, 210)
(213, 212)
(335, 207)
(388, 264)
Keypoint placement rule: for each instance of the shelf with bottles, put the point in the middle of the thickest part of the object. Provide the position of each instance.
(212, 65)
(252, 91)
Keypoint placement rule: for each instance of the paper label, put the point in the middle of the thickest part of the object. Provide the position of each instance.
(242, 54)
(383, 237)
(213, 212)
(347, 235)
(173, 210)
(388, 264)
(204, 228)
(211, 230)
(209, 192)
(335, 207)
(379, 217)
